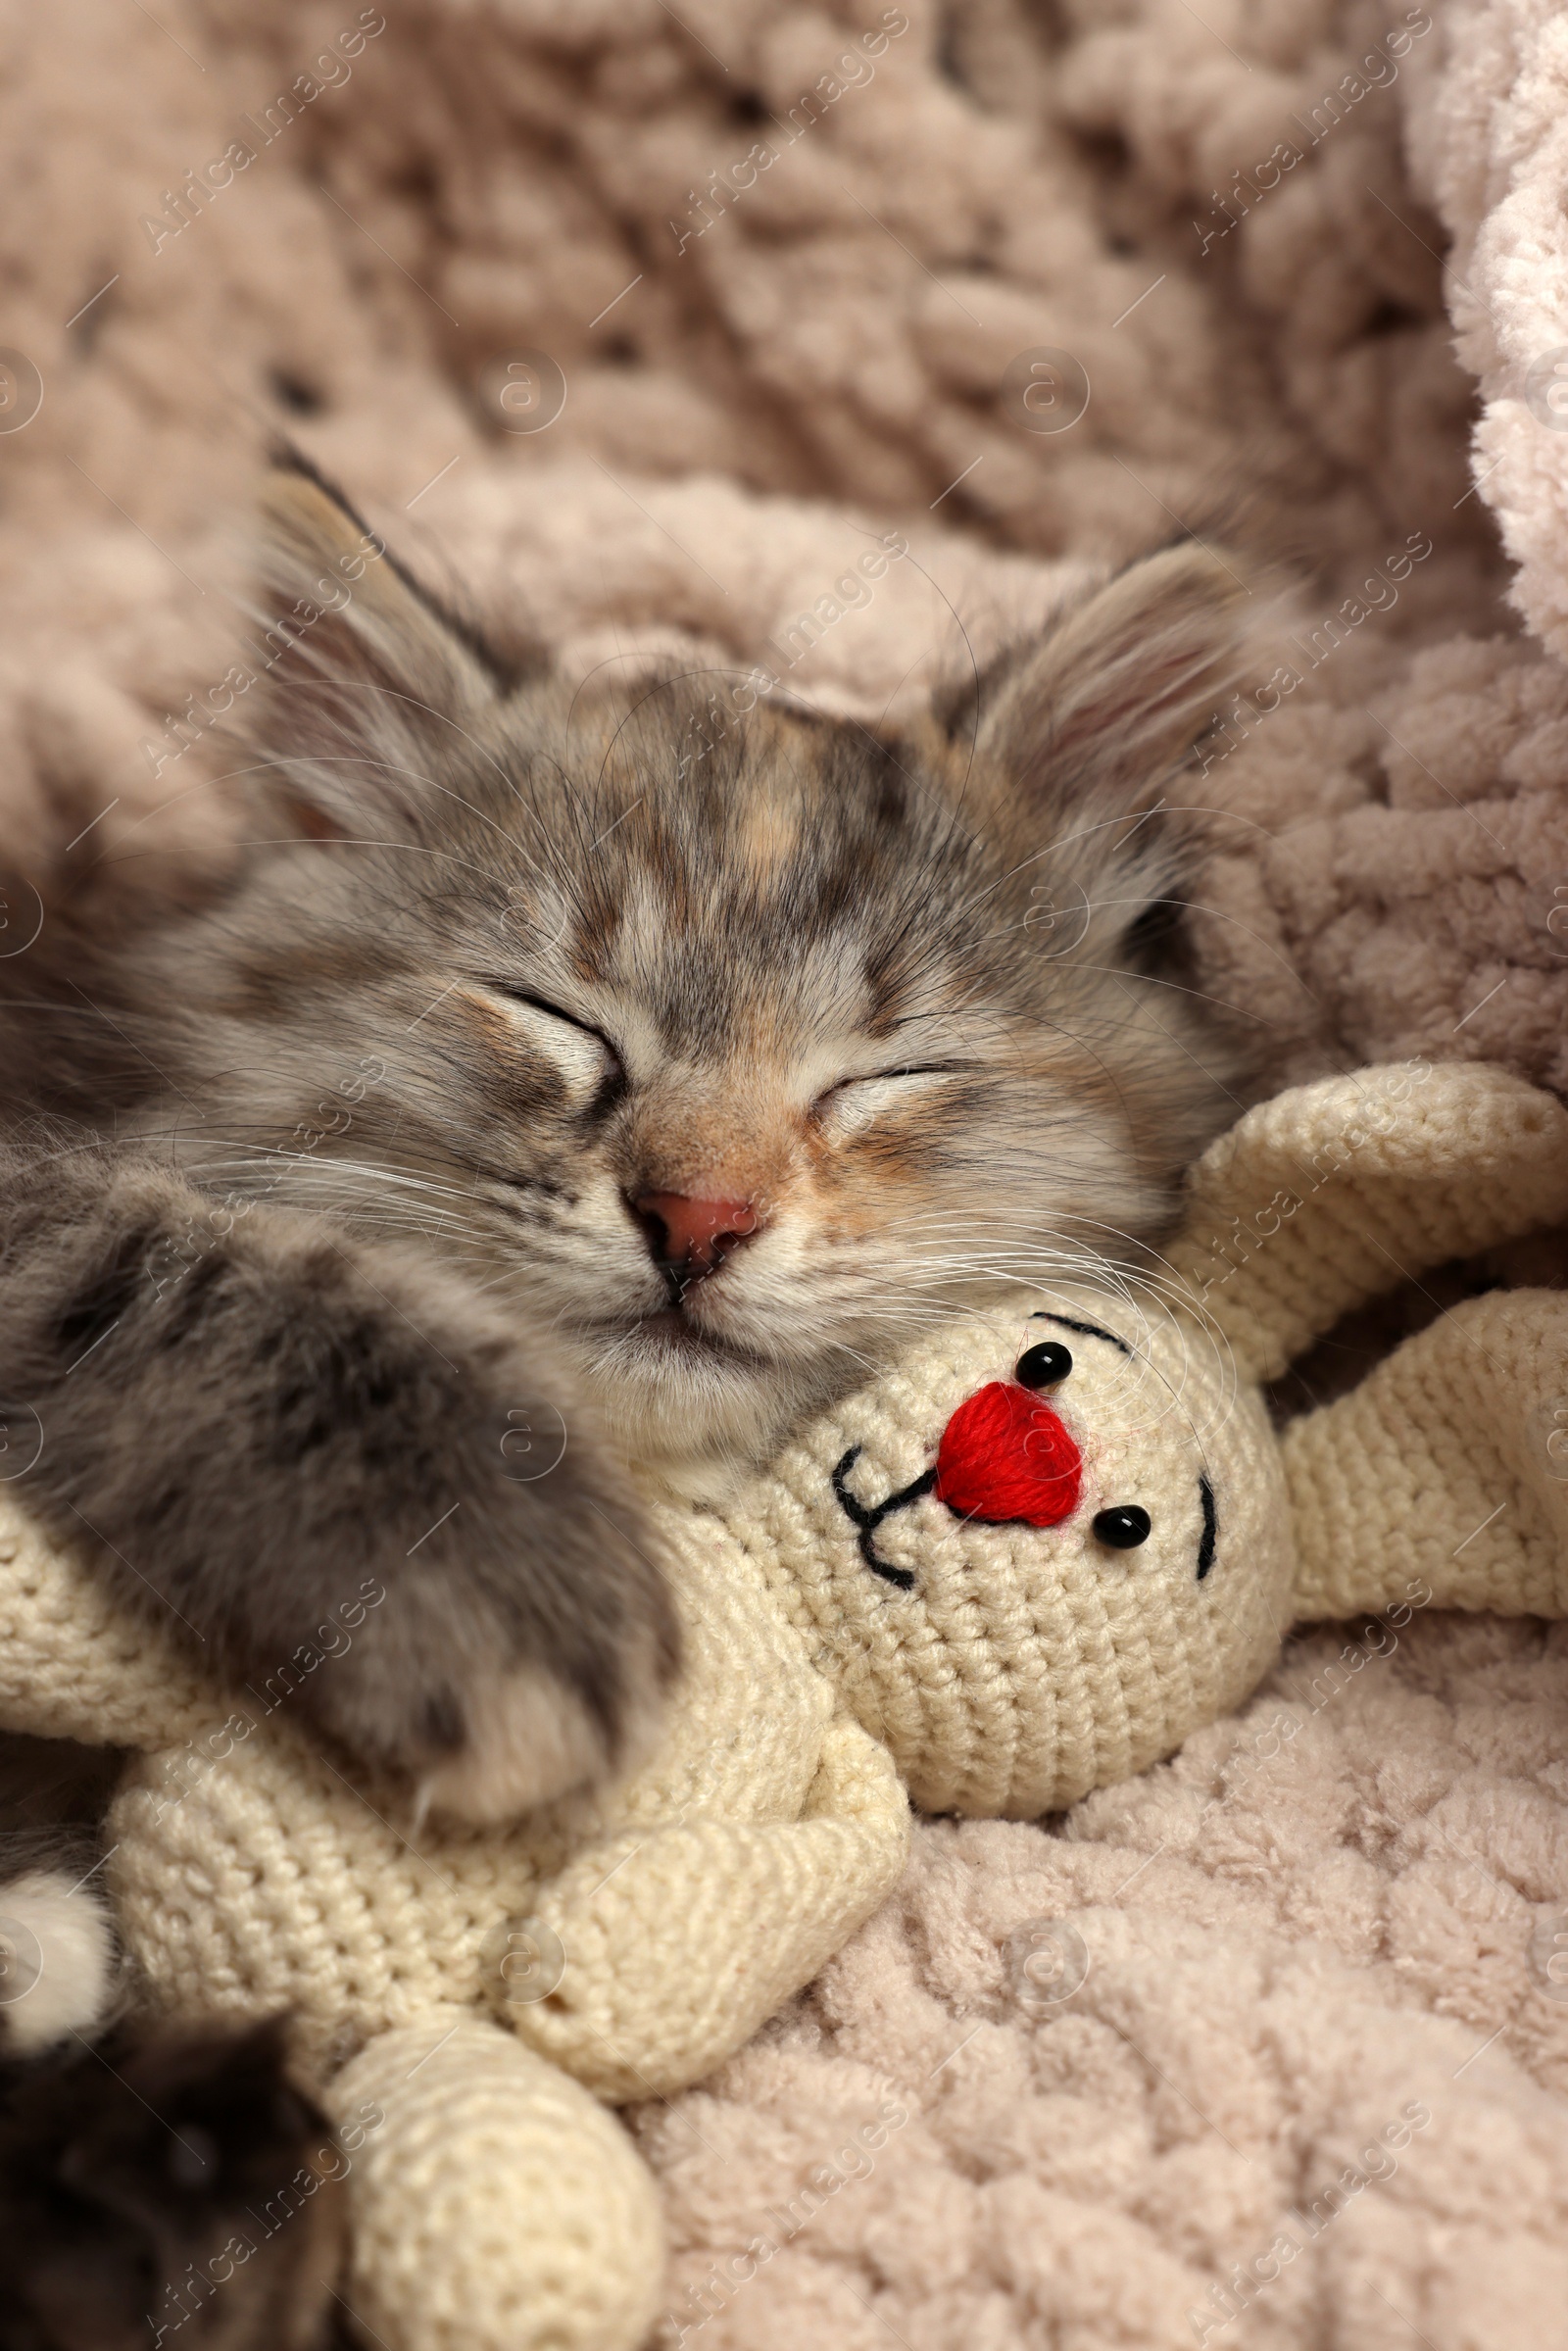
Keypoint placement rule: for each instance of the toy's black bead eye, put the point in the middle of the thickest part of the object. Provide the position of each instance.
(1124, 1529)
(1043, 1366)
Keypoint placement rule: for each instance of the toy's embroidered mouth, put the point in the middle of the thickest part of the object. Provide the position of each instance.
(867, 1521)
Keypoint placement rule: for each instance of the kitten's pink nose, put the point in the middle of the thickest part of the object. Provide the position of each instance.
(690, 1237)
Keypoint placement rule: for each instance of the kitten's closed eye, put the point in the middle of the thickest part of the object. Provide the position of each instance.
(584, 1056)
(855, 1101)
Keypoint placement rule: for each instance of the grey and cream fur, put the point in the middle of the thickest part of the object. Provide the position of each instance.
(328, 1258)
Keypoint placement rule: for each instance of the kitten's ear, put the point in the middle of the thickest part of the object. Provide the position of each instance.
(1079, 738)
(365, 675)
(1102, 707)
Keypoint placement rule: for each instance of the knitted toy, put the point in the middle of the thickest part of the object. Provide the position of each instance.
(1061, 1534)
(1052, 1541)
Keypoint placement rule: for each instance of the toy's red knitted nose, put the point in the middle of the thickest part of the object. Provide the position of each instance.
(1005, 1455)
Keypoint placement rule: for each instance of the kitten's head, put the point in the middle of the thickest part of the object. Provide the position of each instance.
(734, 1042)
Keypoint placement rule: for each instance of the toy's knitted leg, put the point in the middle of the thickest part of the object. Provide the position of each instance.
(1445, 1475)
(498, 2206)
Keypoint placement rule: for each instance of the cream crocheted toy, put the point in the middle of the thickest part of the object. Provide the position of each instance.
(1053, 1540)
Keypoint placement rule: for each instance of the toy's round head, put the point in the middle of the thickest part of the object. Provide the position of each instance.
(1038, 1551)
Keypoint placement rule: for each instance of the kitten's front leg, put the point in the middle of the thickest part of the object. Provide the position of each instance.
(366, 1495)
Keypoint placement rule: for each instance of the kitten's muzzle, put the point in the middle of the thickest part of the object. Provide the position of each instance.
(688, 1238)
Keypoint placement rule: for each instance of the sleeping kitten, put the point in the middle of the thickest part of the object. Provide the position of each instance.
(570, 1078)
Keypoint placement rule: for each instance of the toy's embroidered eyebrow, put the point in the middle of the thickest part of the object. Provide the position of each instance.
(1205, 1548)
(1085, 1330)
(867, 1521)
(1210, 1535)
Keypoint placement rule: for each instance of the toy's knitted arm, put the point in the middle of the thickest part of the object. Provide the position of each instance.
(1330, 1194)
(681, 1940)
(1443, 1477)
(74, 1663)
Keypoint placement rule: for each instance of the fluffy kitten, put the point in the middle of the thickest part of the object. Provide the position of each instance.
(562, 1062)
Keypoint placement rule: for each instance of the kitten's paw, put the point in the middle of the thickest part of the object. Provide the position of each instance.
(527, 1740)
(57, 1962)
(333, 1477)
(520, 1651)
(529, 1659)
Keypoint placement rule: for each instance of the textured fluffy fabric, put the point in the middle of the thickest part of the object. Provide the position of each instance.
(1488, 137)
(1299, 1959)
(757, 378)
(1243, 1972)
(526, 168)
